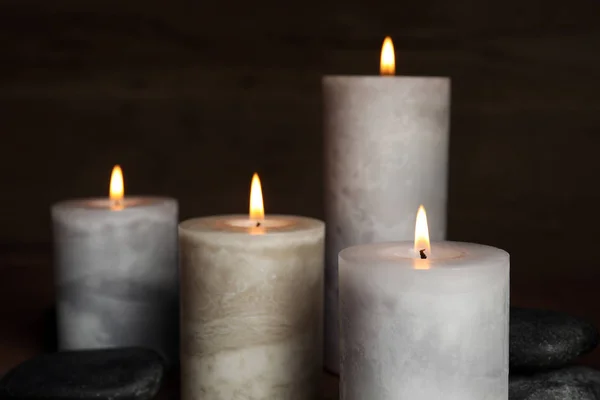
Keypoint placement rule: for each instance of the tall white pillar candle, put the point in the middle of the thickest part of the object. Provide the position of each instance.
(251, 307)
(424, 329)
(386, 152)
(116, 273)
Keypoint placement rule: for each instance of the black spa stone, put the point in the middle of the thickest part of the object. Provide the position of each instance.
(541, 339)
(111, 374)
(570, 383)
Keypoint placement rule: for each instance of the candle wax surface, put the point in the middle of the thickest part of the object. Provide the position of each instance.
(446, 255)
(386, 141)
(108, 204)
(426, 329)
(116, 273)
(242, 224)
(251, 307)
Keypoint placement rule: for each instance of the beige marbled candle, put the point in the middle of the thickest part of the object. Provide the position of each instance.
(251, 308)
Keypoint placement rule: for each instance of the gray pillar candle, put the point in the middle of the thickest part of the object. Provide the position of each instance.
(116, 273)
(386, 152)
(424, 329)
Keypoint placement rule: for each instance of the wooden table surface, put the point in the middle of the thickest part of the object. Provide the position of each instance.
(27, 297)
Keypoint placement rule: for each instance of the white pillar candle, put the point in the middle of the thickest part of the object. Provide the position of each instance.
(386, 152)
(251, 307)
(426, 329)
(116, 273)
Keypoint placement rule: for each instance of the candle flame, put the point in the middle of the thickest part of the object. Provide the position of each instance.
(387, 65)
(117, 188)
(422, 245)
(257, 210)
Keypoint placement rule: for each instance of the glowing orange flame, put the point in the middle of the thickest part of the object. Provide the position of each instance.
(422, 244)
(117, 188)
(387, 65)
(257, 210)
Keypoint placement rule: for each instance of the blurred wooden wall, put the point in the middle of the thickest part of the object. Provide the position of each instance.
(191, 97)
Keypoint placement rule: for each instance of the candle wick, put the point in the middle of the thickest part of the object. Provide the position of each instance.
(117, 204)
(422, 254)
(257, 224)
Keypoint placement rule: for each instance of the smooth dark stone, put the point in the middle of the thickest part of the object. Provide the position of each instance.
(541, 339)
(110, 374)
(571, 383)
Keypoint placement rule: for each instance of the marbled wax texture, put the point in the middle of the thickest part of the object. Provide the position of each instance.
(386, 152)
(424, 329)
(251, 309)
(116, 274)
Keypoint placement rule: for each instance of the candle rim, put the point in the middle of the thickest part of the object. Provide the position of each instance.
(203, 224)
(474, 255)
(385, 78)
(102, 204)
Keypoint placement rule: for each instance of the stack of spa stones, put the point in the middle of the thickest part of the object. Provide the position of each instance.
(543, 347)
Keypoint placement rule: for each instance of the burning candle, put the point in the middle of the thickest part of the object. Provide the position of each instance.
(251, 305)
(116, 271)
(386, 152)
(421, 321)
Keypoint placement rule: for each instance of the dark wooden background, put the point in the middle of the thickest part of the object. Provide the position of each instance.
(192, 97)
